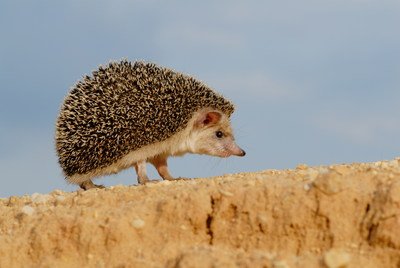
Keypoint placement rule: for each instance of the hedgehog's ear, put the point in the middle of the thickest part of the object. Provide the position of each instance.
(208, 119)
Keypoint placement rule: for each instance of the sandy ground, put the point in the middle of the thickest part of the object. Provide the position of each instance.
(332, 216)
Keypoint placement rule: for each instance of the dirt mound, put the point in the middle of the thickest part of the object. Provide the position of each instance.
(335, 216)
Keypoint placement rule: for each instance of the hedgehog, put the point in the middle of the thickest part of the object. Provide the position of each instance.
(127, 114)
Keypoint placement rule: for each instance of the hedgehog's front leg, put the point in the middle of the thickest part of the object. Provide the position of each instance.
(141, 172)
(160, 163)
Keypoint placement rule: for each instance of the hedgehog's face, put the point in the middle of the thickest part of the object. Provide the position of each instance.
(212, 135)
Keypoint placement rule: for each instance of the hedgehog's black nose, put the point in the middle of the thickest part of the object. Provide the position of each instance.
(243, 153)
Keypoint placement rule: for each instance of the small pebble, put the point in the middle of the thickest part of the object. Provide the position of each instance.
(323, 170)
(138, 223)
(330, 183)
(342, 169)
(39, 198)
(57, 192)
(353, 245)
(280, 264)
(60, 198)
(335, 258)
(307, 187)
(262, 219)
(28, 210)
(302, 167)
(225, 193)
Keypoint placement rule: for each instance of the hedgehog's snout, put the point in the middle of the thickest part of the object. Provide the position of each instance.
(234, 149)
(239, 152)
(242, 153)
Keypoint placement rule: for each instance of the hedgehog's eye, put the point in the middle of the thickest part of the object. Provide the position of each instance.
(219, 134)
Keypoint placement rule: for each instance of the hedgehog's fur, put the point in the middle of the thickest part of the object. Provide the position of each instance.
(123, 107)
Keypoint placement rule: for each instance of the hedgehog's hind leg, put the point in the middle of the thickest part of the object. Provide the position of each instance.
(86, 185)
(141, 172)
(160, 163)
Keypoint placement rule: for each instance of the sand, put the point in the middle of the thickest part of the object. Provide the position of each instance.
(330, 216)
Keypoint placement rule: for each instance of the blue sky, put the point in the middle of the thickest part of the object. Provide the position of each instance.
(315, 82)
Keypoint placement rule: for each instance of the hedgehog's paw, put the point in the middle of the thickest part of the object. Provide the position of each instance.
(86, 185)
(143, 180)
(168, 178)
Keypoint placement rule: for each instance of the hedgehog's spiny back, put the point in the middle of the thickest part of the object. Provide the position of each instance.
(124, 107)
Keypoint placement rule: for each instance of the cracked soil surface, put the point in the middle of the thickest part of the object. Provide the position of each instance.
(330, 216)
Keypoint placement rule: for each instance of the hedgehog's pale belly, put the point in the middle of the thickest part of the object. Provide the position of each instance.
(178, 145)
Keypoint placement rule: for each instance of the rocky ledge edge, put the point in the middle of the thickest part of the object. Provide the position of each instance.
(344, 215)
